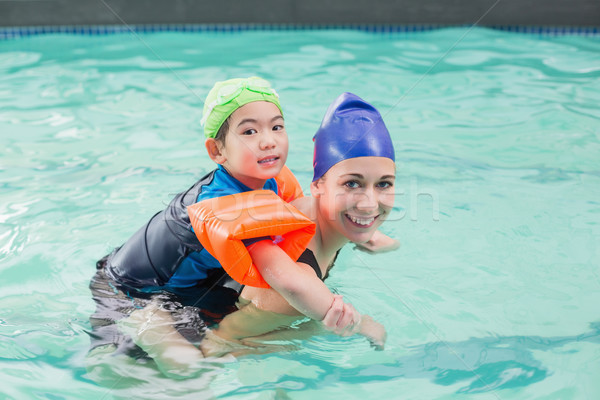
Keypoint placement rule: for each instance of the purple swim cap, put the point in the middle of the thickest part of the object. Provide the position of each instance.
(351, 128)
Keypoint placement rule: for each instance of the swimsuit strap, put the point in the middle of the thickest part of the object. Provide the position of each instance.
(308, 257)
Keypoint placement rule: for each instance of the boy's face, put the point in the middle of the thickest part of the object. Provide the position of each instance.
(356, 195)
(256, 144)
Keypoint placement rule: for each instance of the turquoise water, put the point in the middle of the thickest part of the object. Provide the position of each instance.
(494, 293)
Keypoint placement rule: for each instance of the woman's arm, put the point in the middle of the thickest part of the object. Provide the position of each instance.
(242, 332)
(269, 317)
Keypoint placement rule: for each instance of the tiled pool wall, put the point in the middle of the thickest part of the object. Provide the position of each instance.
(94, 17)
(22, 31)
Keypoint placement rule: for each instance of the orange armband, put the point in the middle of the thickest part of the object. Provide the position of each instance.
(288, 186)
(221, 223)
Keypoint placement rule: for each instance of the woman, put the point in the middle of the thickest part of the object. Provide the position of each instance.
(352, 194)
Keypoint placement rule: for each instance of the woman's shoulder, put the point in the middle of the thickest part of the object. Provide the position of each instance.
(306, 205)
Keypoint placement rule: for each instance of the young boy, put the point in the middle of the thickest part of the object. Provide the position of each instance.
(246, 137)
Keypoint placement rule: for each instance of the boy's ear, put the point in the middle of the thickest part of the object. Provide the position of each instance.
(316, 188)
(214, 150)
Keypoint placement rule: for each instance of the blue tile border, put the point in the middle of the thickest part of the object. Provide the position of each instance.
(551, 30)
(98, 30)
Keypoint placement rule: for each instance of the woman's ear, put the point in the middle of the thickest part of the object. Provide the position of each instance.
(316, 188)
(214, 148)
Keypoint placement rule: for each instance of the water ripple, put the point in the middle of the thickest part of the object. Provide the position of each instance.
(496, 132)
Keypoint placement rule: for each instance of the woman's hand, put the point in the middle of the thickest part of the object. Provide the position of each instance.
(379, 243)
(373, 331)
(342, 318)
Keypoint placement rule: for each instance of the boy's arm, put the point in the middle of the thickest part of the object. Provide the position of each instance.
(301, 288)
(379, 243)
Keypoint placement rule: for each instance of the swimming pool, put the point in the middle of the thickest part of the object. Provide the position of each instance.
(494, 293)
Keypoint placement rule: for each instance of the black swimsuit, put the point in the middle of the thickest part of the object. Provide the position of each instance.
(308, 257)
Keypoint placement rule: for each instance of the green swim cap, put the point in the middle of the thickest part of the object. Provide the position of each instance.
(227, 96)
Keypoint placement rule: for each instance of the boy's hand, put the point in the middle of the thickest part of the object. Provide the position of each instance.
(379, 243)
(342, 318)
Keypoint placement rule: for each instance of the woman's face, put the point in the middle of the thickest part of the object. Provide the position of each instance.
(355, 196)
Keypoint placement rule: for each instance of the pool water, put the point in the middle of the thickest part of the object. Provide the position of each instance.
(494, 293)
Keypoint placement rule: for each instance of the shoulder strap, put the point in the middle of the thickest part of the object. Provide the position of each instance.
(308, 258)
